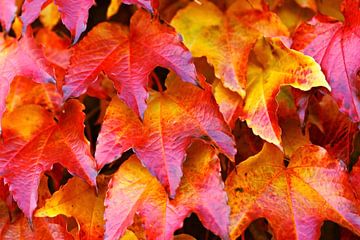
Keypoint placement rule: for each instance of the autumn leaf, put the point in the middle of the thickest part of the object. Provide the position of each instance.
(334, 130)
(226, 39)
(23, 58)
(355, 177)
(133, 190)
(77, 199)
(18, 226)
(128, 57)
(33, 142)
(292, 135)
(230, 103)
(57, 51)
(7, 13)
(293, 14)
(314, 187)
(334, 45)
(49, 15)
(172, 119)
(201, 180)
(41, 229)
(115, 5)
(74, 14)
(24, 91)
(271, 66)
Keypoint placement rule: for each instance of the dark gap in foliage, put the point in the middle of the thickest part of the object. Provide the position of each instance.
(158, 77)
(193, 227)
(257, 230)
(92, 128)
(205, 68)
(57, 177)
(356, 152)
(111, 168)
(330, 231)
(247, 143)
(124, 14)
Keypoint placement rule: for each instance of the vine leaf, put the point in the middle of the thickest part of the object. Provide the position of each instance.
(33, 141)
(173, 118)
(77, 199)
(334, 45)
(226, 39)
(128, 57)
(74, 13)
(134, 190)
(271, 66)
(21, 58)
(313, 188)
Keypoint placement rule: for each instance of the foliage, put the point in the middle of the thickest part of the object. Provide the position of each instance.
(140, 119)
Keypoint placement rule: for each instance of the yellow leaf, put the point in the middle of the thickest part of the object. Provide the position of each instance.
(50, 15)
(272, 65)
(226, 39)
(77, 199)
(113, 8)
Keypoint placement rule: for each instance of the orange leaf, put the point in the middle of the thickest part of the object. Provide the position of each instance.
(313, 188)
(23, 58)
(77, 199)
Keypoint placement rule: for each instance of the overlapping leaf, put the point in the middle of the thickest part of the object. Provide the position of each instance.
(74, 13)
(313, 188)
(23, 58)
(172, 119)
(18, 227)
(226, 39)
(77, 199)
(355, 177)
(134, 190)
(201, 180)
(230, 103)
(41, 229)
(334, 45)
(115, 4)
(334, 130)
(33, 141)
(128, 57)
(24, 91)
(7, 13)
(272, 65)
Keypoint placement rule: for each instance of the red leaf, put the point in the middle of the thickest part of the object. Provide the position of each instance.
(128, 58)
(134, 190)
(7, 13)
(335, 47)
(172, 119)
(355, 177)
(23, 58)
(202, 191)
(336, 132)
(74, 13)
(33, 142)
